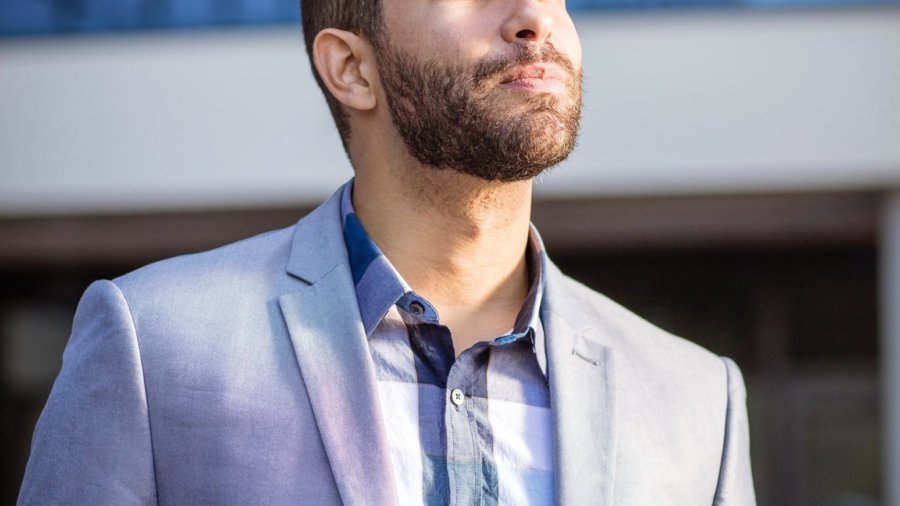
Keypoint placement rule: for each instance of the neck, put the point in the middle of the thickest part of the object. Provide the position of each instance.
(457, 240)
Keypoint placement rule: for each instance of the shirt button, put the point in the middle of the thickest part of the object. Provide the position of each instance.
(417, 308)
(457, 396)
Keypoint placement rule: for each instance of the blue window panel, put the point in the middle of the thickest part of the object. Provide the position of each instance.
(18, 16)
(61, 16)
(259, 12)
(815, 3)
(272, 11)
(195, 12)
(100, 14)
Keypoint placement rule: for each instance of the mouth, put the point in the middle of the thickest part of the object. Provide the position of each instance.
(536, 78)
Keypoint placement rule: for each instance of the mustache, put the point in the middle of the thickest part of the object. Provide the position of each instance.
(523, 54)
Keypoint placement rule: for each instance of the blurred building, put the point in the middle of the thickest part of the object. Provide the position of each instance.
(737, 182)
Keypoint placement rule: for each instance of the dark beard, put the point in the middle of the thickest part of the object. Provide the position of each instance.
(451, 118)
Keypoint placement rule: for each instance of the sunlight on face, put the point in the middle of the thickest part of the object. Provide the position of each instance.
(494, 92)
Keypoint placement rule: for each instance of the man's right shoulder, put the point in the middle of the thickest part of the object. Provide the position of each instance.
(257, 259)
(261, 255)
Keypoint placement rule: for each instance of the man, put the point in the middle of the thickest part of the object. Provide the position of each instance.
(408, 342)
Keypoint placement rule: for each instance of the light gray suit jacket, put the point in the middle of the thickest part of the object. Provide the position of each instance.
(242, 376)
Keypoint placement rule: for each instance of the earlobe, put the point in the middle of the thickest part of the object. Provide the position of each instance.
(343, 61)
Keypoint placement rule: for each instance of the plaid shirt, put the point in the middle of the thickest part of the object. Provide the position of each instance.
(468, 430)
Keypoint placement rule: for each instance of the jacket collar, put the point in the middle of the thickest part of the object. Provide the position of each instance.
(323, 321)
(582, 393)
(317, 247)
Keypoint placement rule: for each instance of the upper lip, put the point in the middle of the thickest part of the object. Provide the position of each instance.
(535, 71)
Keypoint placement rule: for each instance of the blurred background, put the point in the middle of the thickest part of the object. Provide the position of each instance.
(737, 182)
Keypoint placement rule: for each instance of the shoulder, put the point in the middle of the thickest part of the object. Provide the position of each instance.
(208, 291)
(655, 367)
(632, 335)
(262, 258)
(674, 400)
(238, 259)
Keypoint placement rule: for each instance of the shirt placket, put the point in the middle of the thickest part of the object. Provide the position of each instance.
(463, 449)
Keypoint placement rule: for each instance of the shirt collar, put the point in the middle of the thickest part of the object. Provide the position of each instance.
(379, 286)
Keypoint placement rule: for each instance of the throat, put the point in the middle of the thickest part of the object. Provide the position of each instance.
(470, 326)
(482, 308)
(458, 242)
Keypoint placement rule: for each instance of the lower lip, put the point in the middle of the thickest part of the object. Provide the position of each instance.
(536, 85)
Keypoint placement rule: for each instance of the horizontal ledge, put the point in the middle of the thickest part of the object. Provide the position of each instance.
(567, 225)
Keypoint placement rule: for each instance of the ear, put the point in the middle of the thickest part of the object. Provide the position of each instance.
(346, 64)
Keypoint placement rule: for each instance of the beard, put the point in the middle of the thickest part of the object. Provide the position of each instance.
(457, 117)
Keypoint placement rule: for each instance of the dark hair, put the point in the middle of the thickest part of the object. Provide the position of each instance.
(362, 17)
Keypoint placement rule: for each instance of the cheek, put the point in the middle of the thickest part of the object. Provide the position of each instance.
(461, 34)
(575, 55)
(567, 41)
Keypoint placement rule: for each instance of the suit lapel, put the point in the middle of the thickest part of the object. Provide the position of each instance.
(582, 396)
(332, 352)
(328, 338)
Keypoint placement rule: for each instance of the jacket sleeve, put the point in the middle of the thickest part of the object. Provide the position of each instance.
(735, 478)
(92, 441)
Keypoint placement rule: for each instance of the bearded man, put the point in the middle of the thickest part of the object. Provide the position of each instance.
(409, 342)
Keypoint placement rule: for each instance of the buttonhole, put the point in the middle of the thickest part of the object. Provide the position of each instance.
(582, 357)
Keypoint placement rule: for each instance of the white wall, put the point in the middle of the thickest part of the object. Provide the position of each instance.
(739, 101)
(715, 101)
